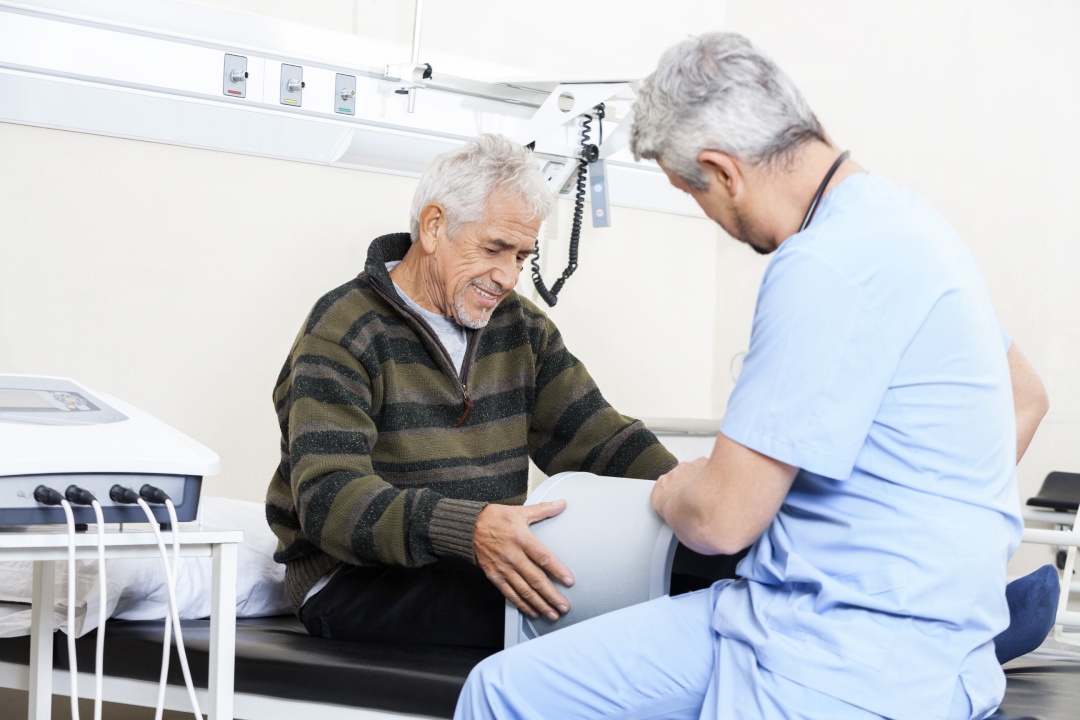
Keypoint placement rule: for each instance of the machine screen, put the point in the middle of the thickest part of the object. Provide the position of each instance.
(19, 400)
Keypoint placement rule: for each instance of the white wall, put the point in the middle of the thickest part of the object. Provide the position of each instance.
(553, 38)
(205, 263)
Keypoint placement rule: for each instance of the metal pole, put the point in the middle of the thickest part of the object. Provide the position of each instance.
(418, 14)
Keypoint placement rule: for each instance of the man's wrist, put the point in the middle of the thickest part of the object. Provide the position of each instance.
(451, 528)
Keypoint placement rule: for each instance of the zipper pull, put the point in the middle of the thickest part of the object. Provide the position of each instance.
(468, 407)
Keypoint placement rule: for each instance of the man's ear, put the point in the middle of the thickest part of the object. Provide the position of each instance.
(722, 169)
(432, 226)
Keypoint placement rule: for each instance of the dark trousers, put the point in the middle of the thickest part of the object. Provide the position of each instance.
(448, 603)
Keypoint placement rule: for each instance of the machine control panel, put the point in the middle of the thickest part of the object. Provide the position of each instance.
(49, 401)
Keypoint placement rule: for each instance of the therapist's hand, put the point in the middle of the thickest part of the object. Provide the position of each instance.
(515, 561)
(669, 484)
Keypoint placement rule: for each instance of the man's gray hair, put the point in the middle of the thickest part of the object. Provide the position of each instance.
(463, 179)
(719, 92)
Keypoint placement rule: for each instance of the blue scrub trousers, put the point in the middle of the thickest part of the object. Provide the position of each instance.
(659, 659)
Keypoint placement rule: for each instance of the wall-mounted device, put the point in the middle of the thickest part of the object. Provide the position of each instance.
(234, 80)
(345, 87)
(589, 156)
(601, 212)
(56, 433)
(219, 80)
(292, 85)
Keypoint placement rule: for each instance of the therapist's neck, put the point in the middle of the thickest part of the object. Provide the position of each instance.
(783, 192)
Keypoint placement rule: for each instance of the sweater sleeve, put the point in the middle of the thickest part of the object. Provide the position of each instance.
(342, 506)
(574, 428)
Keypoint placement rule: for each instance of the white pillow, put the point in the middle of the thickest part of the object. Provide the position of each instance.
(136, 586)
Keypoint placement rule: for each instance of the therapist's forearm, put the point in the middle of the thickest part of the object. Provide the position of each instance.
(722, 505)
(688, 513)
(1026, 425)
(1029, 399)
(712, 536)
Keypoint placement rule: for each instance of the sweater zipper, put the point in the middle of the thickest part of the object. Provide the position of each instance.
(469, 350)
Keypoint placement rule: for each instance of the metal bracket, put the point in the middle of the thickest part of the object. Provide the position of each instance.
(619, 138)
(409, 76)
(566, 103)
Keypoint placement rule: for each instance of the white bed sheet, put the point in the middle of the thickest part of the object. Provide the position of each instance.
(135, 588)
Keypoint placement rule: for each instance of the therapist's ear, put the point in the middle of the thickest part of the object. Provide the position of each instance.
(723, 170)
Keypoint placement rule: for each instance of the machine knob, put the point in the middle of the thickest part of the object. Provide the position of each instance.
(296, 85)
(238, 75)
(346, 93)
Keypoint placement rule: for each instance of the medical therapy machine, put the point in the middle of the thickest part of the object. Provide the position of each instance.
(59, 439)
(621, 551)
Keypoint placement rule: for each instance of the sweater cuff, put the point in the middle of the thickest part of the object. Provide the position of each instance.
(451, 528)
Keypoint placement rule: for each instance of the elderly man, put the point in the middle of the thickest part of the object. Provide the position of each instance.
(866, 454)
(410, 405)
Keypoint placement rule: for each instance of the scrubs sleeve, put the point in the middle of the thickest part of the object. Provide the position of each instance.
(817, 370)
(1005, 339)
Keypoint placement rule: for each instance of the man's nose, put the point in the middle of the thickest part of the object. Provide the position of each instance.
(506, 274)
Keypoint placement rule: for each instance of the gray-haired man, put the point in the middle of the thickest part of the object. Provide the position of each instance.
(410, 405)
(866, 455)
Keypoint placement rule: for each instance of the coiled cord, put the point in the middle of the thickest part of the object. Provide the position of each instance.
(589, 154)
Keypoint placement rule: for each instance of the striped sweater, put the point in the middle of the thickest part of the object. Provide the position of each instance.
(388, 453)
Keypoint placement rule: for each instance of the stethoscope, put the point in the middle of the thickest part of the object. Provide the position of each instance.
(821, 190)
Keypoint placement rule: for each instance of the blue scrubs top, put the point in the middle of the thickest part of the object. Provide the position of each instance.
(876, 367)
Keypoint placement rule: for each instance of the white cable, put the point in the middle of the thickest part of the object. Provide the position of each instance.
(175, 524)
(102, 600)
(165, 643)
(170, 584)
(168, 620)
(73, 668)
(163, 681)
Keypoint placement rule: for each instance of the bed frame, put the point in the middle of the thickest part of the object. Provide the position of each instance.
(282, 674)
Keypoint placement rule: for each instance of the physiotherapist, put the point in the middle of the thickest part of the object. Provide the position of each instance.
(866, 456)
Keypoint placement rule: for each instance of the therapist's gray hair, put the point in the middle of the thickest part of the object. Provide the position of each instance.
(719, 92)
(463, 179)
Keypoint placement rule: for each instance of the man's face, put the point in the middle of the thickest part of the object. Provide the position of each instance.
(480, 265)
(722, 210)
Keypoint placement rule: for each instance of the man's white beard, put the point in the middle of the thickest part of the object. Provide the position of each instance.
(470, 319)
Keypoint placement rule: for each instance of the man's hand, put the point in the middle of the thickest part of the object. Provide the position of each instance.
(515, 561)
(670, 483)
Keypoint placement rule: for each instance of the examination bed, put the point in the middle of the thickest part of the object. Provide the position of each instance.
(283, 673)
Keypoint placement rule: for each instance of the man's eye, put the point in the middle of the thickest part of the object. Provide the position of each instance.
(492, 251)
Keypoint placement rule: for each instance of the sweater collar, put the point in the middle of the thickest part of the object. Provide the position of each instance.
(382, 250)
